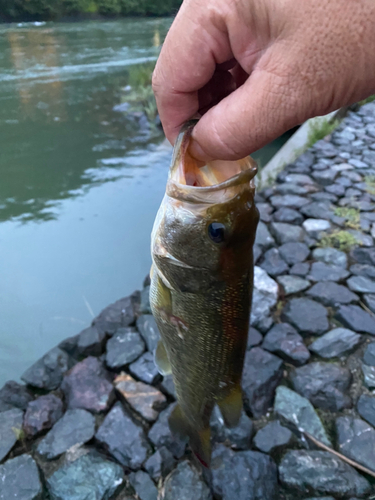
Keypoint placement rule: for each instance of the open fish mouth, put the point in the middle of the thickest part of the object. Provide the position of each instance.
(216, 181)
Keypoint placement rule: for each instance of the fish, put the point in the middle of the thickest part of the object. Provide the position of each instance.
(201, 287)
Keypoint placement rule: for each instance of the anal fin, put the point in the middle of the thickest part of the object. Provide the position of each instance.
(231, 406)
(161, 360)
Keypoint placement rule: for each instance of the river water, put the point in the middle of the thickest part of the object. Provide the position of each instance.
(79, 183)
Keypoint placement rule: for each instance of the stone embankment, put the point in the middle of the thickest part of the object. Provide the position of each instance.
(91, 421)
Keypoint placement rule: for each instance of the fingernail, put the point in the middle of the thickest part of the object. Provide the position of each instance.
(197, 152)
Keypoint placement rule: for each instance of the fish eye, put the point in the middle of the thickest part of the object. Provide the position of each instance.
(216, 231)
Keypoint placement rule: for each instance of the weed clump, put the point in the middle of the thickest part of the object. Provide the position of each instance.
(351, 216)
(342, 240)
(320, 130)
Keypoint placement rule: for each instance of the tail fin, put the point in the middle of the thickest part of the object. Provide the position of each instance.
(200, 440)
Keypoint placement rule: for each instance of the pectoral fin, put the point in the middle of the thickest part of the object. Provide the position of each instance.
(200, 441)
(231, 406)
(161, 360)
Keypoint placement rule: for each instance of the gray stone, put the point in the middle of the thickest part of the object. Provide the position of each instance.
(284, 341)
(306, 315)
(124, 440)
(87, 386)
(320, 473)
(90, 342)
(147, 326)
(357, 163)
(335, 343)
(265, 211)
(160, 463)
(243, 475)
(343, 181)
(15, 395)
(331, 294)
(265, 324)
(239, 437)
(369, 355)
(263, 237)
(299, 179)
(323, 197)
(145, 369)
(143, 485)
(160, 434)
(366, 408)
(261, 375)
(325, 177)
(364, 240)
(361, 284)
(336, 189)
(287, 188)
(19, 478)
(324, 384)
(124, 348)
(145, 306)
(143, 398)
(288, 200)
(331, 256)
(368, 375)
(265, 294)
(288, 215)
(185, 483)
(74, 428)
(292, 284)
(327, 272)
(294, 252)
(257, 252)
(284, 233)
(315, 227)
(117, 315)
(42, 414)
(356, 440)
(273, 264)
(47, 373)
(352, 193)
(273, 437)
(317, 210)
(168, 386)
(88, 477)
(300, 269)
(254, 338)
(299, 412)
(10, 429)
(364, 255)
(355, 318)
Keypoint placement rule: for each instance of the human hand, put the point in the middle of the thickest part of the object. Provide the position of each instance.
(256, 68)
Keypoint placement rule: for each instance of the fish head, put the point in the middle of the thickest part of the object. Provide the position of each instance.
(205, 228)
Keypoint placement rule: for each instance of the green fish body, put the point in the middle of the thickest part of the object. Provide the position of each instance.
(201, 287)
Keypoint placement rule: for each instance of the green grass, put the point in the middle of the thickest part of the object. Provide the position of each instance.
(371, 98)
(342, 240)
(351, 216)
(320, 130)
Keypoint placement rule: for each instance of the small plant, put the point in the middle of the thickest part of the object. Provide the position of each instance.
(342, 240)
(319, 130)
(371, 98)
(370, 181)
(19, 433)
(351, 216)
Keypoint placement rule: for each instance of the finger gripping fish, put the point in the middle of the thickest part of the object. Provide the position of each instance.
(201, 287)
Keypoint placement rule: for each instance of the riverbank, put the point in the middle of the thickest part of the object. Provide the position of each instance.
(91, 420)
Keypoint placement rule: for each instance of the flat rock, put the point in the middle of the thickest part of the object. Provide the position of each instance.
(320, 473)
(299, 412)
(331, 256)
(91, 342)
(336, 189)
(47, 373)
(366, 408)
(363, 255)
(325, 177)
(331, 294)
(327, 272)
(88, 477)
(288, 215)
(300, 269)
(254, 338)
(87, 386)
(369, 355)
(335, 343)
(19, 478)
(123, 348)
(369, 300)
(314, 227)
(168, 385)
(15, 395)
(160, 464)
(368, 375)
(143, 398)
(124, 440)
(238, 437)
(265, 211)
(306, 315)
(284, 341)
(74, 428)
(143, 485)
(325, 385)
(273, 437)
(273, 264)
(145, 306)
(243, 475)
(356, 440)
(293, 284)
(161, 435)
(355, 318)
(285, 233)
(364, 239)
(261, 375)
(288, 200)
(10, 428)
(294, 252)
(117, 315)
(145, 369)
(265, 294)
(42, 414)
(317, 210)
(263, 237)
(361, 284)
(148, 328)
(185, 483)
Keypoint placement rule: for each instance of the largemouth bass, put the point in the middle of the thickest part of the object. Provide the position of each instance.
(201, 287)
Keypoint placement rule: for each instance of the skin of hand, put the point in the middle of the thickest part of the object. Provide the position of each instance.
(252, 69)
